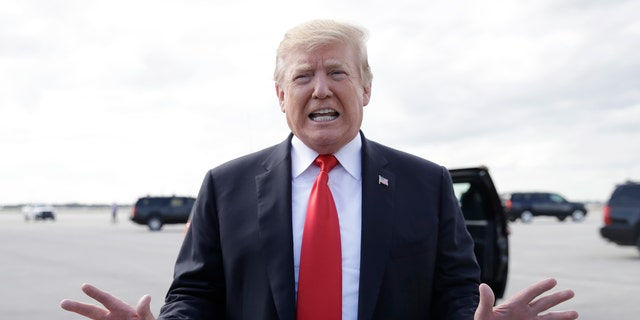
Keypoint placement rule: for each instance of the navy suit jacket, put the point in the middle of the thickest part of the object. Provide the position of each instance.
(236, 262)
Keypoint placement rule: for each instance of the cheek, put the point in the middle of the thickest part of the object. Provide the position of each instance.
(292, 104)
(356, 108)
(291, 114)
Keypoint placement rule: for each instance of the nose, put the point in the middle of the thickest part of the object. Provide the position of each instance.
(321, 87)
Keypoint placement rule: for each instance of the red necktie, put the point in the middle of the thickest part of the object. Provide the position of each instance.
(320, 276)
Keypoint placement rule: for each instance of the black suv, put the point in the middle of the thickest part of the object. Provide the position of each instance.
(526, 205)
(622, 215)
(486, 222)
(158, 211)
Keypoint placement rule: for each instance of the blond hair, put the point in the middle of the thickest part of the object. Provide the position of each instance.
(317, 33)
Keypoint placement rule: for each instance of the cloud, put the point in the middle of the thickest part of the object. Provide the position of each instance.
(103, 101)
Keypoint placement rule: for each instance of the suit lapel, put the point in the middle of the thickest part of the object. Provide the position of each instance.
(377, 222)
(274, 218)
(273, 189)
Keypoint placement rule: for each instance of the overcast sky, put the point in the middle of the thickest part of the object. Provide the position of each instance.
(105, 101)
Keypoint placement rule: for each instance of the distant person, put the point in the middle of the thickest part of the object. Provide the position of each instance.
(384, 238)
(114, 213)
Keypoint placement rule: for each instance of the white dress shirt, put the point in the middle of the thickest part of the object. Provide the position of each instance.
(345, 182)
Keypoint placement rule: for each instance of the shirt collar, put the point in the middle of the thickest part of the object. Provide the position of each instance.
(349, 157)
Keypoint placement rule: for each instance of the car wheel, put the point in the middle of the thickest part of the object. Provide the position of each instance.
(526, 216)
(154, 224)
(562, 218)
(577, 215)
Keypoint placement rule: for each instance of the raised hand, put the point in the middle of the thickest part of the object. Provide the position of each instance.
(526, 304)
(114, 308)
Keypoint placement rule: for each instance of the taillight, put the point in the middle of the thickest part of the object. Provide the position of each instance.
(606, 215)
(508, 204)
(133, 213)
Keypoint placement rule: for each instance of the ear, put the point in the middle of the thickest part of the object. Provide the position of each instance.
(366, 95)
(280, 94)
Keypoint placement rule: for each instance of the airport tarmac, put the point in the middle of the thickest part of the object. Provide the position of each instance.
(43, 262)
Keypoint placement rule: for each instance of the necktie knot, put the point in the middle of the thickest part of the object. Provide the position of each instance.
(326, 162)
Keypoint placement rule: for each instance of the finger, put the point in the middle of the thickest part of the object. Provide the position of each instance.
(106, 299)
(144, 308)
(560, 315)
(552, 300)
(88, 310)
(532, 291)
(487, 300)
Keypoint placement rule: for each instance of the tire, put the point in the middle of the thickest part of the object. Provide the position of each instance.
(561, 218)
(526, 216)
(155, 224)
(577, 215)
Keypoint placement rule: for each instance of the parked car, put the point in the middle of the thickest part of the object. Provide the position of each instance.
(486, 222)
(622, 215)
(158, 211)
(526, 205)
(38, 212)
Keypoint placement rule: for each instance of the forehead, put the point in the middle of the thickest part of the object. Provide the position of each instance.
(329, 55)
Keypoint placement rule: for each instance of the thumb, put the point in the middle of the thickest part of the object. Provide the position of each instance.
(487, 300)
(144, 308)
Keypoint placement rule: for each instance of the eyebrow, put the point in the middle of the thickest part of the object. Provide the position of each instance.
(303, 67)
(333, 64)
(328, 64)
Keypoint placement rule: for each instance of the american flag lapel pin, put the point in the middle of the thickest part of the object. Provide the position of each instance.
(383, 180)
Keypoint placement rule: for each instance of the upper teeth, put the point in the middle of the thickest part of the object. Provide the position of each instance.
(327, 114)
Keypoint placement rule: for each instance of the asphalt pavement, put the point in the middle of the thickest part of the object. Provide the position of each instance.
(43, 262)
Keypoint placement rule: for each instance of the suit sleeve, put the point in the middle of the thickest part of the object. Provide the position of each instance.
(198, 288)
(457, 272)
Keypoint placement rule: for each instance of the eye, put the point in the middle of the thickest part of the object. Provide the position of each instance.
(338, 74)
(302, 77)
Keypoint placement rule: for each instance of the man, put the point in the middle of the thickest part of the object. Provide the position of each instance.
(114, 213)
(405, 251)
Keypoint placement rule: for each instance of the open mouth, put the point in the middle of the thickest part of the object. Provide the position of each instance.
(324, 115)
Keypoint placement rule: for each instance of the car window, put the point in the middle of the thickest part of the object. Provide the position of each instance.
(626, 195)
(177, 202)
(470, 201)
(540, 197)
(516, 197)
(556, 198)
(459, 188)
(154, 202)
